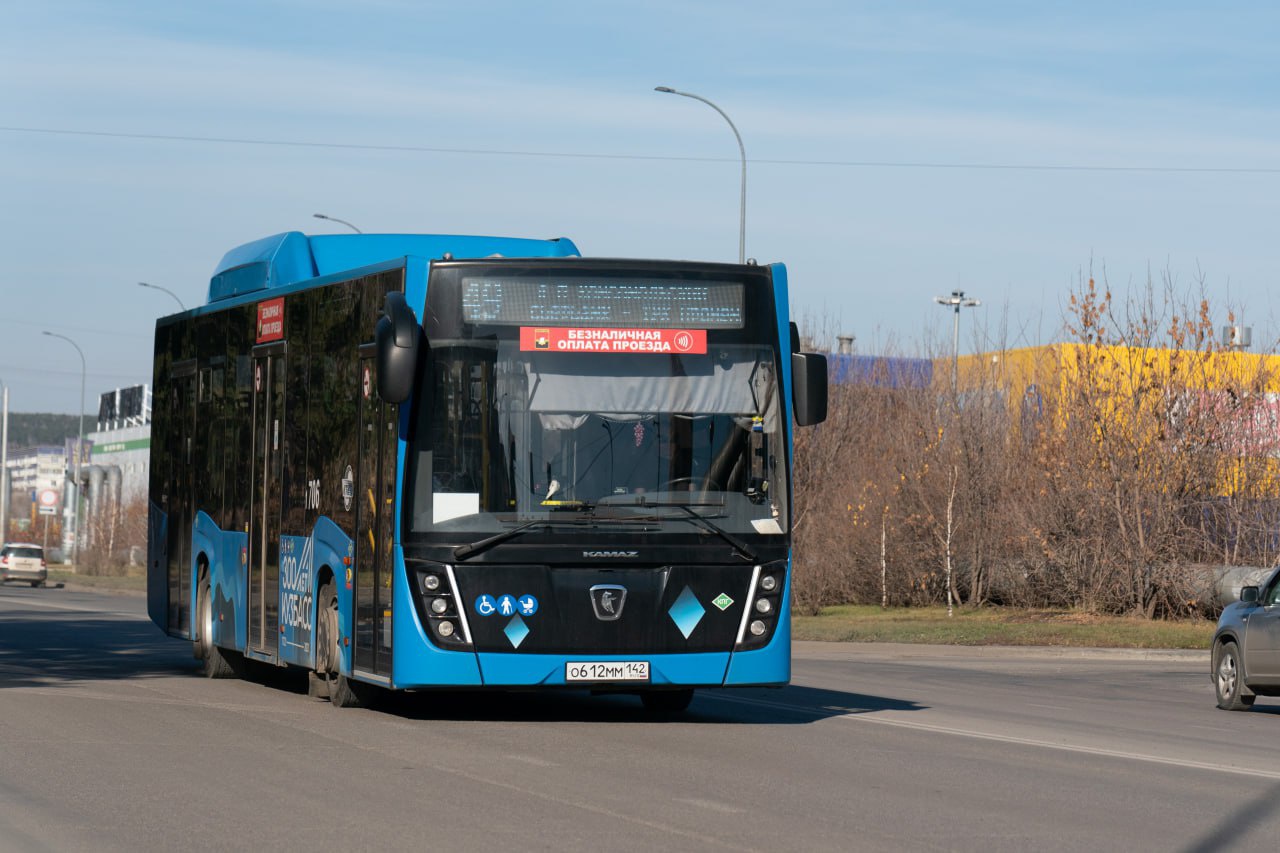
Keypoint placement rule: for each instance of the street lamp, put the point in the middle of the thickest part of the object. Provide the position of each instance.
(75, 541)
(164, 290)
(742, 203)
(336, 219)
(956, 301)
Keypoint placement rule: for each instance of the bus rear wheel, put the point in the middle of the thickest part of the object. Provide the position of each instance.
(217, 663)
(341, 691)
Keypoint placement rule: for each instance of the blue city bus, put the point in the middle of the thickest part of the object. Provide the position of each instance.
(425, 461)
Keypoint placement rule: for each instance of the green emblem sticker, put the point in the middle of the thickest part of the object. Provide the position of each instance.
(722, 601)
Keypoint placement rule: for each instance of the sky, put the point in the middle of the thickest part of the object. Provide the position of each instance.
(896, 151)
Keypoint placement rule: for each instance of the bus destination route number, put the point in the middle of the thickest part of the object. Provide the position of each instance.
(615, 670)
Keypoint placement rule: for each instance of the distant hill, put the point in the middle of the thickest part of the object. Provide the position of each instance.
(29, 430)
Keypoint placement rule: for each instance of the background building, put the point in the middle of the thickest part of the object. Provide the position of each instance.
(119, 460)
(34, 468)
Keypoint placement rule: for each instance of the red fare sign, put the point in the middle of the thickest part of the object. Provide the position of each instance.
(271, 320)
(628, 341)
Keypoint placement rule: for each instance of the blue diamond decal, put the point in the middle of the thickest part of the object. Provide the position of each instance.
(687, 612)
(516, 631)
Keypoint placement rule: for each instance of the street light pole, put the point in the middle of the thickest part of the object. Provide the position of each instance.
(4, 463)
(742, 151)
(956, 301)
(336, 219)
(164, 290)
(75, 541)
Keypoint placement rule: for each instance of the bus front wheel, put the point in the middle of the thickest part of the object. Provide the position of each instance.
(217, 663)
(342, 691)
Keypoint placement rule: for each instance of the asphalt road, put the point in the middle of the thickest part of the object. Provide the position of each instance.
(109, 740)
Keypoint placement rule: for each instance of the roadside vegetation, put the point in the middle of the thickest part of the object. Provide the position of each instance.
(999, 627)
(117, 546)
(1110, 475)
(133, 581)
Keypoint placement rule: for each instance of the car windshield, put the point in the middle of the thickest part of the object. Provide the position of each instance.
(30, 552)
(509, 432)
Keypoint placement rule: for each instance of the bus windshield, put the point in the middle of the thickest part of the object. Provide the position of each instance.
(508, 433)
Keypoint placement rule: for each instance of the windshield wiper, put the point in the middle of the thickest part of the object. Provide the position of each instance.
(697, 519)
(462, 552)
(711, 527)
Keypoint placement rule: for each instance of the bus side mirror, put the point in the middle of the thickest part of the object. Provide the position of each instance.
(809, 387)
(396, 337)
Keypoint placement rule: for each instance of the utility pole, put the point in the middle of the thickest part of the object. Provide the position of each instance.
(75, 542)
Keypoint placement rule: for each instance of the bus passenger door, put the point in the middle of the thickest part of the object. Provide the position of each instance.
(375, 520)
(181, 494)
(263, 580)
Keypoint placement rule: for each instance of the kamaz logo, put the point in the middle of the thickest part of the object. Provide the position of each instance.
(607, 600)
(611, 555)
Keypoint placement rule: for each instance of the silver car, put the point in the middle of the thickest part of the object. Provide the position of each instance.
(1246, 647)
(20, 561)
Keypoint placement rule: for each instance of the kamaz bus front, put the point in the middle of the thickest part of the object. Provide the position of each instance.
(596, 462)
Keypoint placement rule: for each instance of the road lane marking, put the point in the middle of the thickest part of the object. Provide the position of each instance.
(1068, 747)
(871, 716)
(710, 805)
(534, 760)
(25, 602)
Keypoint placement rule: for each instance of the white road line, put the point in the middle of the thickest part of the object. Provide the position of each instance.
(919, 725)
(26, 602)
(1067, 747)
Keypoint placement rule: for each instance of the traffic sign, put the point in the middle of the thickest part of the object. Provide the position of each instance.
(48, 501)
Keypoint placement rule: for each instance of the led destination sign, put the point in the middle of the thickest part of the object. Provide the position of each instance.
(602, 303)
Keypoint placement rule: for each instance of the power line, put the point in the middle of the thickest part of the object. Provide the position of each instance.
(27, 323)
(589, 155)
(43, 371)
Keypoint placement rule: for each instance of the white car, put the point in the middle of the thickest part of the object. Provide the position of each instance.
(20, 561)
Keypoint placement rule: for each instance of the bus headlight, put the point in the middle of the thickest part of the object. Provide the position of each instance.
(763, 610)
(437, 607)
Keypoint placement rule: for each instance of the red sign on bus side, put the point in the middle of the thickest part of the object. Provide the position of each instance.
(271, 320)
(625, 341)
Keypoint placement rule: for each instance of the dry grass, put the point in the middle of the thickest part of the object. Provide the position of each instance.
(1000, 626)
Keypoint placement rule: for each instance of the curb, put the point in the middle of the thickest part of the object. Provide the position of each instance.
(820, 650)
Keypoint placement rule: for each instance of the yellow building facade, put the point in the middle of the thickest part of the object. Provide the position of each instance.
(1147, 399)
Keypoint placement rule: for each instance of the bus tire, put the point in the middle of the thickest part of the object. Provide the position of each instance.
(345, 693)
(217, 663)
(342, 692)
(664, 703)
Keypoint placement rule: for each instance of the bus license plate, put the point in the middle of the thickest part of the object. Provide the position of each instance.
(608, 671)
